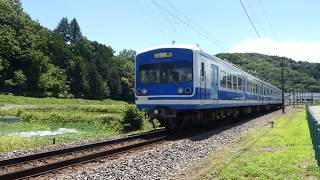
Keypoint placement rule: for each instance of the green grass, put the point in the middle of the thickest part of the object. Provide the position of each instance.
(92, 119)
(21, 100)
(282, 152)
(85, 131)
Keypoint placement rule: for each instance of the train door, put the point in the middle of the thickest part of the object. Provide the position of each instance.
(214, 82)
(202, 82)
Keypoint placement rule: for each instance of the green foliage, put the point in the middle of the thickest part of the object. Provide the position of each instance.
(19, 80)
(38, 62)
(20, 100)
(53, 82)
(91, 118)
(63, 29)
(303, 76)
(74, 30)
(132, 119)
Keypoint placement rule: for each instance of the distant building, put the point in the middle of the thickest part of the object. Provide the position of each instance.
(305, 96)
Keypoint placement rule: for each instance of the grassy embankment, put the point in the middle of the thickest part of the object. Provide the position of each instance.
(282, 152)
(91, 118)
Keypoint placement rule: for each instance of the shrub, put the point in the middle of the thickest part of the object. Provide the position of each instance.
(132, 119)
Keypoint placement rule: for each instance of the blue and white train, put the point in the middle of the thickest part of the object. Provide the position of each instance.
(179, 84)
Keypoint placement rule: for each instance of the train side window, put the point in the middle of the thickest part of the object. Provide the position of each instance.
(253, 88)
(223, 79)
(202, 71)
(229, 81)
(239, 84)
(234, 82)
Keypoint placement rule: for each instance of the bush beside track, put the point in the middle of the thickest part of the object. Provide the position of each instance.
(91, 118)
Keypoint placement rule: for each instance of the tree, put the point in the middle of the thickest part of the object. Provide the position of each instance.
(74, 31)
(77, 76)
(59, 52)
(129, 54)
(98, 88)
(63, 29)
(18, 83)
(53, 82)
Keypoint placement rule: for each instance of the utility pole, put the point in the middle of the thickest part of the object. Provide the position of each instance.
(302, 97)
(293, 97)
(282, 85)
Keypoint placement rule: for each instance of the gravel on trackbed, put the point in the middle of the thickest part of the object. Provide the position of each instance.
(164, 161)
(169, 160)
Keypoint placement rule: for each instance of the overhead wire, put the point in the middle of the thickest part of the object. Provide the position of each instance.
(267, 19)
(190, 23)
(152, 20)
(213, 40)
(172, 26)
(254, 27)
(182, 27)
(254, 16)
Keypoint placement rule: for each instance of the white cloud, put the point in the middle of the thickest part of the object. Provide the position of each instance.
(297, 50)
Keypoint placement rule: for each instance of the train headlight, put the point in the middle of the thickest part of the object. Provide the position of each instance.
(187, 90)
(144, 91)
(180, 90)
(138, 91)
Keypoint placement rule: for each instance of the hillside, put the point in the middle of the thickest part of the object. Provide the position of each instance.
(304, 76)
(36, 61)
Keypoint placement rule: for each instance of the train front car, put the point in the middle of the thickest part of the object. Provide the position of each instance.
(164, 82)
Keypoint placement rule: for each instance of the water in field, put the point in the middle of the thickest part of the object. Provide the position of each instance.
(44, 133)
(9, 119)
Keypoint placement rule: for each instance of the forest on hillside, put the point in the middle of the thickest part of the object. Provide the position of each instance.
(35, 61)
(39, 62)
(302, 76)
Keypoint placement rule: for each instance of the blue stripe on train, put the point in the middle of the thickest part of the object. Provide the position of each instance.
(222, 95)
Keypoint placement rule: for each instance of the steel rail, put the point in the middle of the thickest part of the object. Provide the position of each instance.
(36, 171)
(52, 153)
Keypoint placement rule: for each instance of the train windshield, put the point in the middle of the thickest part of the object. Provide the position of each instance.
(173, 72)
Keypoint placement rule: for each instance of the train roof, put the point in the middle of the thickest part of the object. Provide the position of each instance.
(196, 48)
(179, 46)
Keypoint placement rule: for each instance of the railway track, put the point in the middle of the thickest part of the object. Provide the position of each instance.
(50, 161)
(41, 163)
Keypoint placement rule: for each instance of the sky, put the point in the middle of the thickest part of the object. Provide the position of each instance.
(287, 28)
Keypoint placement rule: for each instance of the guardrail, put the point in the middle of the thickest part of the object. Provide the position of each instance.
(314, 128)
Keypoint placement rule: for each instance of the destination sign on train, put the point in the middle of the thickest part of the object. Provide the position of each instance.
(162, 55)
